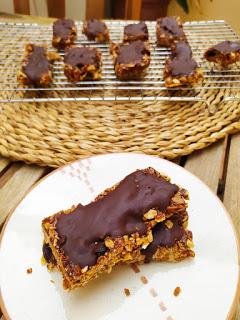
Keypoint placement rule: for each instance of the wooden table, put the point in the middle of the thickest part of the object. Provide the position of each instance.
(218, 166)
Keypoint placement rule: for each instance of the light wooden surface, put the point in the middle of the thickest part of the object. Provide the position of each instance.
(218, 166)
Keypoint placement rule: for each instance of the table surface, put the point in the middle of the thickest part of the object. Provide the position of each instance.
(218, 166)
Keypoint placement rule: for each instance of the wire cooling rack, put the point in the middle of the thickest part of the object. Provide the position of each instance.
(201, 35)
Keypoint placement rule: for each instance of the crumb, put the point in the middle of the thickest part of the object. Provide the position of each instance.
(29, 270)
(135, 268)
(177, 291)
(144, 280)
(153, 293)
(127, 292)
(162, 306)
(52, 281)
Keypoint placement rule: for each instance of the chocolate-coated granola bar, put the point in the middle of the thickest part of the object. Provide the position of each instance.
(82, 63)
(89, 240)
(131, 60)
(169, 30)
(64, 33)
(224, 53)
(36, 66)
(181, 68)
(96, 30)
(135, 31)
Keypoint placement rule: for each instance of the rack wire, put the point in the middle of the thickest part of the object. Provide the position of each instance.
(201, 35)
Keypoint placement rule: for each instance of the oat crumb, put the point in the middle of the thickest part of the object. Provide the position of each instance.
(127, 292)
(144, 280)
(29, 270)
(135, 268)
(177, 291)
(52, 281)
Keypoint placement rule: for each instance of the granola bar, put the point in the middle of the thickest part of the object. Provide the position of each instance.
(96, 30)
(131, 60)
(135, 31)
(82, 63)
(169, 30)
(36, 66)
(224, 53)
(89, 240)
(64, 33)
(181, 68)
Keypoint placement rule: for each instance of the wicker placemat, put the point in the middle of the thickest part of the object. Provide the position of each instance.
(53, 134)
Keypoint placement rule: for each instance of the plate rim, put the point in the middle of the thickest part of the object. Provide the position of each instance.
(236, 298)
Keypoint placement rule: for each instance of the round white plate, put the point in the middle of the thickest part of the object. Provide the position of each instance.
(208, 282)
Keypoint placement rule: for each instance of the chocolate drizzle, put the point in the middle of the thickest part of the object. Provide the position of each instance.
(118, 213)
(164, 237)
(95, 27)
(80, 56)
(169, 26)
(136, 29)
(37, 64)
(63, 28)
(224, 47)
(132, 53)
(182, 62)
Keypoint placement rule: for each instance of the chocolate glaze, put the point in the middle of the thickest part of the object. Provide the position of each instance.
(182, 62)
(47, 253)
(132, 53)
(182, 66)
(182, 48)
(94, 27)
(118, 213)
(224, 47)
(136, 29)
(170, 27)
(80, 56)
(62, 28)
(37, 64)
(164, 237)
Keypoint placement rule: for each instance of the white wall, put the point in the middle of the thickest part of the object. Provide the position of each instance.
(228, 10)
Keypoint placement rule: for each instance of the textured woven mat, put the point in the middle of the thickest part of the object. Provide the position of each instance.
(52, 134)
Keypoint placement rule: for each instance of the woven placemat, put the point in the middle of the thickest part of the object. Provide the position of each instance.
(54, 133)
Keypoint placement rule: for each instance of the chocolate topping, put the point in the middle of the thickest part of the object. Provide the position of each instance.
(37, 64)
(182, 62)
(118, 213)
(164, 237)
(224, 47)
(169, 26)
(94, 27)
(182, 49)
(182, 66)
(63, 28)
(136, 29)
(80, 56)
(47, 253)
(132, 53)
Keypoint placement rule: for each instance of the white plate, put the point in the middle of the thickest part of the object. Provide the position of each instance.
(208, 282)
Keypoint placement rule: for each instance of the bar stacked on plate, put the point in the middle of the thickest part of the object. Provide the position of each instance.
(142, 218)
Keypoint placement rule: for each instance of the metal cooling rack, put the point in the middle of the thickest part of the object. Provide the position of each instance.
(201, 35)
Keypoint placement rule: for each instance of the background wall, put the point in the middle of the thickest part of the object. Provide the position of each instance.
(228, 10)
(215, 9)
